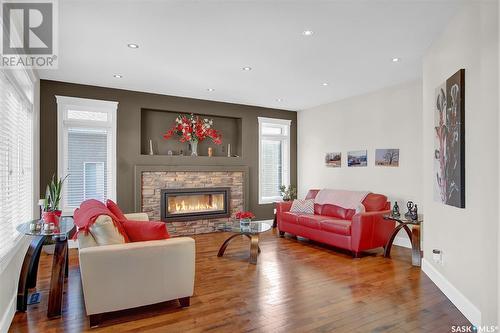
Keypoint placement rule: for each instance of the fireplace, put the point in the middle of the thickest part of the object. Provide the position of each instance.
(194, 203)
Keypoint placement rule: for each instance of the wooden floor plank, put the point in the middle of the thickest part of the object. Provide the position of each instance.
(297, 286)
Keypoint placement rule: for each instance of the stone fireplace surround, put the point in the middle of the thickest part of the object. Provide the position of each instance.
(150, 180)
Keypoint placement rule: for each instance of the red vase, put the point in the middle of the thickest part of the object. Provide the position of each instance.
(51, 217)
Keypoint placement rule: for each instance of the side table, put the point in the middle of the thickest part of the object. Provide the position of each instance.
(413, 235)
(27, 278)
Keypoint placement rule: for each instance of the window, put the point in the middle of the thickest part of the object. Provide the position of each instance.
(16, 158)
(87, 150)
(274, 158)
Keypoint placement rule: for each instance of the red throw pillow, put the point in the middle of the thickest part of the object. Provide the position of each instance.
(138, 231)
(113, 207)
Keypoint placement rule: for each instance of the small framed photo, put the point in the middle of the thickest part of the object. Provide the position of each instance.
(387, 157)
(357, 158)
(333, 160)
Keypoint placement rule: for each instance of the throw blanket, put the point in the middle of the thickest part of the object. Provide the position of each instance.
(88, 212)
(343, 198)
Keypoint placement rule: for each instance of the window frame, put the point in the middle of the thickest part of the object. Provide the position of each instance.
(285, 141)
(64, 104)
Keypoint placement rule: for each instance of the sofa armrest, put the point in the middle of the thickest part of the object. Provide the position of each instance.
(284, 206)
(370, 230)
(122, 276)
(137, 216)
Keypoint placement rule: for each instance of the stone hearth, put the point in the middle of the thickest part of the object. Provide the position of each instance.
(152, 182)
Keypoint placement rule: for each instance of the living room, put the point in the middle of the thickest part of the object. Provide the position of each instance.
(229, 166)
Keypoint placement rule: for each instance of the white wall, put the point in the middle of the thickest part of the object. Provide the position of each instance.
(467, 237)
(388, 118)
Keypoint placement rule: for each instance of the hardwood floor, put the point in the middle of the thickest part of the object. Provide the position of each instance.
(297, 286)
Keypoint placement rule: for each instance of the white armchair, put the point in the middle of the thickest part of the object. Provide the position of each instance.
(122, 276)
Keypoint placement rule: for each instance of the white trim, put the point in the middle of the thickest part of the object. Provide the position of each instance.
(8, 315)
(285, 139)
(65, 103)
(469, 310)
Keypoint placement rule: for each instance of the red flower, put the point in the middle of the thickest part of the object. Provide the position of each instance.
(191, 127)
(244, 215)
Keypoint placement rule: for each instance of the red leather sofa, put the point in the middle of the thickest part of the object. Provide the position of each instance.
(338, 226)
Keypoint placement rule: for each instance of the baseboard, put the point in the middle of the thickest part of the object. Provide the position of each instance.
(403, 241)
(8, 315)
(469, 310)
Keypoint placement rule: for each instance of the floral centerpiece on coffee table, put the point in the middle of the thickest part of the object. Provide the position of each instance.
(244, 217)
(193, 129)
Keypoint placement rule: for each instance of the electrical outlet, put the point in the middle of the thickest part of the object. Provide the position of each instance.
(437, 256)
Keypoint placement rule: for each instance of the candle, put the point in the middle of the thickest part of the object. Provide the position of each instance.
(228, 150)
(210, 151)
(151, 147)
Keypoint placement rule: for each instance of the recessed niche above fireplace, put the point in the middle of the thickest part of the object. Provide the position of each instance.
(154, 123)
(194, 203)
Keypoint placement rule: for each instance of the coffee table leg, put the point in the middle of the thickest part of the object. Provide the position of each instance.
(254, 248)
(416, 254)
(225, 244)
(57, 278)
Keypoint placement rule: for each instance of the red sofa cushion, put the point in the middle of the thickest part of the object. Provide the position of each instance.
(375, 202)
(338, 212)
(317, 209)
(138, 231)
(342, 227)
(310, 221)
(113, 207)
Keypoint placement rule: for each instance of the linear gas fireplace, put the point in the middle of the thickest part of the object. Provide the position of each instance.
(194, 203)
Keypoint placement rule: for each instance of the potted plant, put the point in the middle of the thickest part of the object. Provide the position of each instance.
(245, 218)
(288, 193)
(51, 211)
(193, 129)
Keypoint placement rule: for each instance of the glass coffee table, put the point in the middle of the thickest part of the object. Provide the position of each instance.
(252, 232)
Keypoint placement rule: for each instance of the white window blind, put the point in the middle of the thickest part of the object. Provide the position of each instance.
(87, 150)
(16, 160)
(274, 158)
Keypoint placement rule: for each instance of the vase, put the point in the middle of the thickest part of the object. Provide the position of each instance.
(245, 222)
(51, 217)
(194, 148)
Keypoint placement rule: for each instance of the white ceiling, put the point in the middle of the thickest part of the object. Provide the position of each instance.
(187, 47)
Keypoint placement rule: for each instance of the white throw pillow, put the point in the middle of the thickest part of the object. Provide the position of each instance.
(105, 232)
(303, 206)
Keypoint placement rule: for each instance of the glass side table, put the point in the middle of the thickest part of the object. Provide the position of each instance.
(27, 278)
(252, 231)
(413, 235)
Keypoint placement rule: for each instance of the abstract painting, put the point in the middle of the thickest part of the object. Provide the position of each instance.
(449, 147)
(387, 157)
(333, 160)
(357, 158)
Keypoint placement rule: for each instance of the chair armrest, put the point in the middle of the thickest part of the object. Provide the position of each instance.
(121, 276)
(137, 216)
(370, 230)
(284, 206)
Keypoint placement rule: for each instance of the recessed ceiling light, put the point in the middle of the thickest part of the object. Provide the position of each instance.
(307, 32)
(133, 46)
(247, 68)
(210, 89)
(118, 76)
(324, 84)
(279, 99)
(396, 60)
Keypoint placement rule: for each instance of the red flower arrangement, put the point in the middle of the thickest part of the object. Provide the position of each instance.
(193, 129)
(244, 215)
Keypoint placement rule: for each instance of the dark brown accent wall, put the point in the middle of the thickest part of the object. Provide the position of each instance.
(129, 155)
